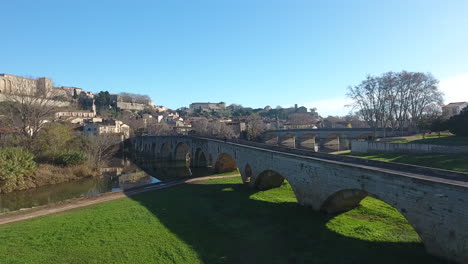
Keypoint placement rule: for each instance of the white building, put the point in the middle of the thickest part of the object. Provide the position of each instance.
(108, 127)
(454, 108)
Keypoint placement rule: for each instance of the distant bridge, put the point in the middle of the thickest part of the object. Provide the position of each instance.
(435, 202)
(327, 139)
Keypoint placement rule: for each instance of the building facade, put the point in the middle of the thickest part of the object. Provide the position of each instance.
(453, 108)
(207, 106)
(108, 127)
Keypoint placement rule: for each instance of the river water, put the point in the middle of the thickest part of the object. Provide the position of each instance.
(122, 175)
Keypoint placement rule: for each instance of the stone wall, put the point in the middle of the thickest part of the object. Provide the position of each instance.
(381, 147)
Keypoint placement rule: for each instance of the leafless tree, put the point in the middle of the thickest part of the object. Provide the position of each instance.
(220, 129)
(302, 119)
(158, 129)
(102, 148)
(27, 110)
(201, 127)
(396, 100)
(214, 128)
(255, 127)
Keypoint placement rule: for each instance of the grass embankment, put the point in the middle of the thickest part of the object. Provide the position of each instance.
(454, 162)
(433, 139)
(216, 221)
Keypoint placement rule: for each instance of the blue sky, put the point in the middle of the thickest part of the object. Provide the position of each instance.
(250, 52)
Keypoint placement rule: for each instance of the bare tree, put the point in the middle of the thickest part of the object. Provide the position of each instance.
(214, 128)
(399, 100)
(102, 148)
(201, 127)
(255, 127)
(28, 109)
(158, 129)
(220, 129)
(302, 119)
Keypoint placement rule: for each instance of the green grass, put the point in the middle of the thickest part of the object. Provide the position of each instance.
(454, 162)
(216, 221)
(434, 139)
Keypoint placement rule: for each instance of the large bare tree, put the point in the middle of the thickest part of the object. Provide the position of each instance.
(102, 148)
(26, 110)
(255, 127)
(158, 129)
(396, 100)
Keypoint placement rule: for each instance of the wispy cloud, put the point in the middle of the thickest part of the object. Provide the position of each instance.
(455, 88)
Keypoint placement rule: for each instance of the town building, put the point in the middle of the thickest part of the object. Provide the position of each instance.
(75, 113)
(124, 103)
(107, 128)
(207, 106)
(453, 108)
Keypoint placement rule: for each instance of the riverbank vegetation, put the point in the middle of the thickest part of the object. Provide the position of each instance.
(454, 162)
(215, 221)
(55, 154)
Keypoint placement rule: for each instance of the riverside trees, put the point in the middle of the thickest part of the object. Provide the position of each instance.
(398, 100)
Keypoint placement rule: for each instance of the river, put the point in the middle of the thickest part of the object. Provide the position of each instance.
(122, 175)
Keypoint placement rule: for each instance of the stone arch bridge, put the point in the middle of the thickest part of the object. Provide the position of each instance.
(333, 139)
(435, 202)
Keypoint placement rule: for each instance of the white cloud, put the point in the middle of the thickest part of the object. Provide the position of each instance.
(455, 88)
(332, 106)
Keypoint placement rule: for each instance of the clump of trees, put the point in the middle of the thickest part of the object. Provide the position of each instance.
(26, 163)
(458, 124)
(398, 100)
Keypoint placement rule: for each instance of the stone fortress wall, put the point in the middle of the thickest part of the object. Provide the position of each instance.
(11, 84)
(11, 87)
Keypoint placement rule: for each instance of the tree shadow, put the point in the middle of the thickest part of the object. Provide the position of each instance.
(223, 224)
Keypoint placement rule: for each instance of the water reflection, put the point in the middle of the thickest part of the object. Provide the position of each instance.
(122, 175)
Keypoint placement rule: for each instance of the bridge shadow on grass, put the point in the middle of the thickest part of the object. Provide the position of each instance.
(227, 222)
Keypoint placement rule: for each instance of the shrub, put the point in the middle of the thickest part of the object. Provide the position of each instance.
(16, 166)
(458, 124)
(70, 158)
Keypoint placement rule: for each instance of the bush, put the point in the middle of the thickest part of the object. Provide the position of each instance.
(70, 158)
(458, 124)
(16, 166)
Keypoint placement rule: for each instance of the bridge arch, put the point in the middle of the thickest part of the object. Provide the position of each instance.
(288, 140)
(271, 139)
(347, 199)
(165, 152)
(365, 137)
(268, 179)
(182, 152)
(336, 142)
(200, 158)
(343, 200)
(309, 141)
(247, 173)
(225, 163)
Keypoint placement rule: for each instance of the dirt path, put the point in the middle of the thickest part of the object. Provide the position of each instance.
(86, 201)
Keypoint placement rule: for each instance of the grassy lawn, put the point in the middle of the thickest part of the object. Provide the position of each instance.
(434, 139)
(217, 221)
(455, 162)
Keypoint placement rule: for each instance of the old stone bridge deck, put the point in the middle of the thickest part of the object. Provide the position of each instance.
(331, 139)
(435, 202)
